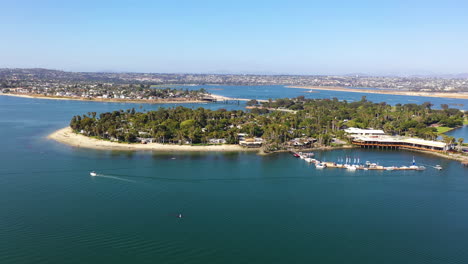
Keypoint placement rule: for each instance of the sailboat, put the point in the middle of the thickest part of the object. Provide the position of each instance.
(414, 167)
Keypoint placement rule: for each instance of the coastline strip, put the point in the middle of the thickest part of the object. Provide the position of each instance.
(102, 100)
(392, 92)
(68, 137)
(116, 100)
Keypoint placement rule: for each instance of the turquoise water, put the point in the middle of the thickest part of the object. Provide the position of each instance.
(236, 207)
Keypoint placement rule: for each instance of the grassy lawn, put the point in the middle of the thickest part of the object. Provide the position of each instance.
(441, 130)
(465, 122)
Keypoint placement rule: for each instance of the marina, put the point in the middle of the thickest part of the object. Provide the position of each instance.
(354, 164)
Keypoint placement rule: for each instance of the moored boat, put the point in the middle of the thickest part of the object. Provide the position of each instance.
(320, 165)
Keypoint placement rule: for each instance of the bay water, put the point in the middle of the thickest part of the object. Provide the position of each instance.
(172, 207)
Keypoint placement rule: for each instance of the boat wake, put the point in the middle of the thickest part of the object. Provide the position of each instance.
(113, 177)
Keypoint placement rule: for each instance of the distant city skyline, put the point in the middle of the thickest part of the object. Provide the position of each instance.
(242, 37)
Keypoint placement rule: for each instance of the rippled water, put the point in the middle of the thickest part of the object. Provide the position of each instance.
(236, 207)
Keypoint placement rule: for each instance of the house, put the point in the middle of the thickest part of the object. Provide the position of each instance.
(301, 142)
(242, 136)
(217, 141)
(251, 142)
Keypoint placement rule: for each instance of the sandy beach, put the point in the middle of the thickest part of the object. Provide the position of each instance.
(67, 136)
(352, 90)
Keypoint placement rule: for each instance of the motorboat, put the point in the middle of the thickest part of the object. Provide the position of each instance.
(93, 173)
(438, 167)
(320, 165)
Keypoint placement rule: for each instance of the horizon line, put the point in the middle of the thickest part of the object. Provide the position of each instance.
(461, 75)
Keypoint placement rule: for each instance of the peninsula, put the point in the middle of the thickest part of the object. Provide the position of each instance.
(114, 93)
(312, 123)
(460, 95)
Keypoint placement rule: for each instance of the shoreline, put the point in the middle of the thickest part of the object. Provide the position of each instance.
(392, 92)
(68, 137)
(102, 100)
(116, 100)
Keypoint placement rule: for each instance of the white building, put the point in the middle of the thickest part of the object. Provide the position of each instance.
(353, 131)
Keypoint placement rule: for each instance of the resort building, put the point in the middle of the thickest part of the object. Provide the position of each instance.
(369, 138)
(353, 131)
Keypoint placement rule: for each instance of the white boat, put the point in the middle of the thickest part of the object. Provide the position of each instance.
(320, 165)
(415, 167)
(438, 167)
(352, 168)
(93, 173)
(419, 168)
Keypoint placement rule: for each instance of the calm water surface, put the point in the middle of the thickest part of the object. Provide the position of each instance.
(461, 132)
(236, 207)
(279, 91)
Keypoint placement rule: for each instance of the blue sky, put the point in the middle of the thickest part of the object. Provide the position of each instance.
(294, 37)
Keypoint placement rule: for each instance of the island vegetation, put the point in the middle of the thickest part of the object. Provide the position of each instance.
(111, 92)
(320, 119)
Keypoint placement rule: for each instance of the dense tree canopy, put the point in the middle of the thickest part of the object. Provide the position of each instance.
(318, 118)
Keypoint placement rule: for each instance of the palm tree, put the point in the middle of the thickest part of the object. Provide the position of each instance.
(460, 142)
(448, 140)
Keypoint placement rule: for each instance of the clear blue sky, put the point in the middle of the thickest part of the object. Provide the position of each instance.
(295, 37)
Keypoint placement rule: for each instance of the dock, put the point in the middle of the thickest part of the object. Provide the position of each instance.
(349, 165)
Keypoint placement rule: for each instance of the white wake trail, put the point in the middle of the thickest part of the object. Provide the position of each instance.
(114, 177)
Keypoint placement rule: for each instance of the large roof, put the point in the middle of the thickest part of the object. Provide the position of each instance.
(396, 139)
(355, 130)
